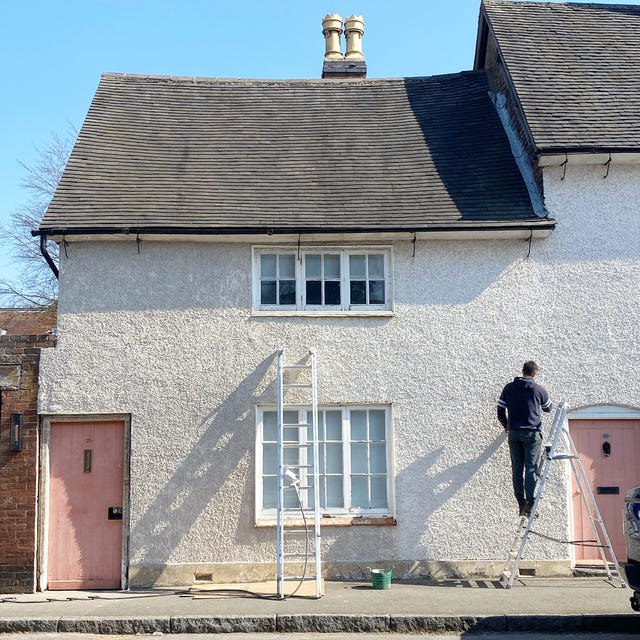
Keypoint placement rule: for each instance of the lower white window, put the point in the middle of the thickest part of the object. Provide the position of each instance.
(354, 459)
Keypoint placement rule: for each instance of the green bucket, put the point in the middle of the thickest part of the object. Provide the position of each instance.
(381, 578)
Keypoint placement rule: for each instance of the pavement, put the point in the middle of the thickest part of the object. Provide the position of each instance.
(544, 605)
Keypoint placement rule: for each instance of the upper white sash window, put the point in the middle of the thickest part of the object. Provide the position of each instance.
(322, 279)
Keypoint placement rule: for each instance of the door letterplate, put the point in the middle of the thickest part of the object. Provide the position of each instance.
(608, 491)
(114, 513)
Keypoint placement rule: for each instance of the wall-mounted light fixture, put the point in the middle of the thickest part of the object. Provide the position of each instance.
(15, 433)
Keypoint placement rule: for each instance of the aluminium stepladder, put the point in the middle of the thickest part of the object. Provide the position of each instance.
(298, 472)
(560, 446)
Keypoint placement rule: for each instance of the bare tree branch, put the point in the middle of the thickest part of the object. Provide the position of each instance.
(35, 284)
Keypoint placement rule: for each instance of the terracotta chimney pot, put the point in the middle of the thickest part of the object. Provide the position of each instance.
(354, 30)
(332, 30)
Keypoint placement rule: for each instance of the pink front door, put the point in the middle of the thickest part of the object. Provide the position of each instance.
(85, 505)
(610, 454)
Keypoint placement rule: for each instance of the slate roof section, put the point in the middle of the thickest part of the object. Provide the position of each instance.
(575, 69)
(239, 156)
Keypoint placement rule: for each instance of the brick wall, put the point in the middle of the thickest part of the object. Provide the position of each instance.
(19, 354)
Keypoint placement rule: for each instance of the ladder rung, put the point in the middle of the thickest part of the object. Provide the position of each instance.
(296, 366)
(288, 531)
(293, 445)
(305, 578)
(296, 385)
(297, 424)
(563, 456)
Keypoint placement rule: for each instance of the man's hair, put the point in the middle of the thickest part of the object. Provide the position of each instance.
(529, 368)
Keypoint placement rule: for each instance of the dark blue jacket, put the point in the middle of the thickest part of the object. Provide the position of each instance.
(520, 404)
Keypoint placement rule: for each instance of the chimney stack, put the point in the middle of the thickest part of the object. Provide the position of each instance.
(351, 65)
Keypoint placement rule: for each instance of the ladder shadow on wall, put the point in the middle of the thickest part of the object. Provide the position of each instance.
(227, 439)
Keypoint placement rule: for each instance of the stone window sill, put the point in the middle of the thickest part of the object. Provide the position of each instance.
(333, 521)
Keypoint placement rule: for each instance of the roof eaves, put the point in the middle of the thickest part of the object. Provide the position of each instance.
(492, 225)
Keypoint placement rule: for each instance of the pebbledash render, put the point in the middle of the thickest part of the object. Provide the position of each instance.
(169, 338)
(477, 248)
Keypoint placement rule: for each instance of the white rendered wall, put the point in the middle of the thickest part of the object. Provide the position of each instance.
(167, 336)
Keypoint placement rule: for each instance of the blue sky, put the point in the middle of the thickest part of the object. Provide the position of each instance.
(53, 52)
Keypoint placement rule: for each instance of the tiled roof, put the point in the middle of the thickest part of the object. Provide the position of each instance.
(28, 321)
(237, 155)
(576, 70)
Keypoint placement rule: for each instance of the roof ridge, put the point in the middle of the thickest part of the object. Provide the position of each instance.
(283, 81)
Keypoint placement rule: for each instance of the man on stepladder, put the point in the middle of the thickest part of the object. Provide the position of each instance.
(519, 409)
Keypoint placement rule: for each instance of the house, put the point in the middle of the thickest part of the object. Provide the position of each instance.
(23, 335)
(424, 236)
(567, 84)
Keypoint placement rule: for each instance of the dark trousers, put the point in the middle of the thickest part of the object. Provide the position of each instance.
(525, 446)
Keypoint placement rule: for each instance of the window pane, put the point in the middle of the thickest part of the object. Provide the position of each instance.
(291, 499)
(269, 493)
(287, 291)
(334, 458)
(290, 435)
(287, 263)
(376, 265)
(357, 267)
(268, 266)
(290, 457)
(269, 425)
(289, 417)
(376, 424)
(358, 291)
(358, 425)
(312, 266)
(332, 292)
(310, 457)
(378, 453)
(331, 266)
(314, 292)
(378, 492)
(334, 492)
(311, 501)
(359, 492)
(376, 292)
(359, 458)
(268, 292)
(333, 421)
(270, 460)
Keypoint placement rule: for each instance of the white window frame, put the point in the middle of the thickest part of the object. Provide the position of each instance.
(300, 306)
(381, 512)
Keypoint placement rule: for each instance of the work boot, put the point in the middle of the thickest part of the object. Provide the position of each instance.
(521, 506)
(528, 506)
